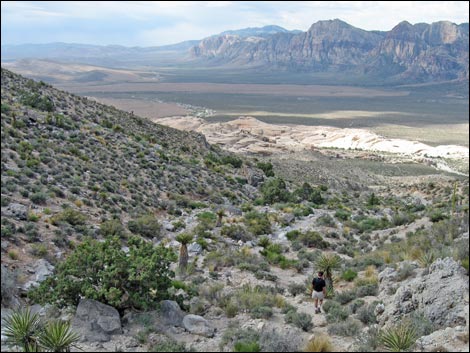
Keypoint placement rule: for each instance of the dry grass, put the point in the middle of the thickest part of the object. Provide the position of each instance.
(320, 343)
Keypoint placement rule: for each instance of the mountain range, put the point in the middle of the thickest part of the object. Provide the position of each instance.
(406, 54)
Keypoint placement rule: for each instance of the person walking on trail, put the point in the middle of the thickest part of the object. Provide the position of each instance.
(318, 291)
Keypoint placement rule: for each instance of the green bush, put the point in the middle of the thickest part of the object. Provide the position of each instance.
(236, 232)
(366, 315)
(349, 328)
(326, 220)
(104, 272)
(257, 223)
(345, 297)
(275, 190)
(71, 216)
(39, 198)
(313, 239)
(343, 215)
(336, 314)
(349, 275)
(112, 227)
(168, 345)
(247, 347)
(35, 100)
(266, 167)
(307, 193)
(301, 320)
(367, 290)
(147, 226)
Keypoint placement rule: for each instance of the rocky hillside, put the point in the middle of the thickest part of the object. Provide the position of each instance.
(414, 53)
(96, 203)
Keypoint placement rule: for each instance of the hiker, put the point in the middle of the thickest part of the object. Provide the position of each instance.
(318, 291)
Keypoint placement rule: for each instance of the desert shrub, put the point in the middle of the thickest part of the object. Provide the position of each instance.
(233, 160)
(112, 227)
(262, 312)
(35, 100)
(297, 288)
(104, 272)
(236, 232)
(168, 345)
(234, 334)
(301, 320)
(405, 271)
(293, 234)
(367, 290)
(257, 223)
(355, 305)
(146, 226)
(368, 341)
(39, 198)
(326, 220)
(307, 193)
(274, 190)
(313, 239)
(321, 343)
(266, 167)
(280, 341)
(349, 275)
(345, 296)
(366, 314)
(422, 325)
(243, 346)
(71, 216)
(343, 215)
(337, 313)
(346, 328)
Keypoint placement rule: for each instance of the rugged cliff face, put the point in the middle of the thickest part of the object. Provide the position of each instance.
(421, 52)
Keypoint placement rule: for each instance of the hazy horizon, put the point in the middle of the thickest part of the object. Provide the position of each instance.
(157, 23)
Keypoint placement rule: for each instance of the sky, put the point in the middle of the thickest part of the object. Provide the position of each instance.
(150, 23)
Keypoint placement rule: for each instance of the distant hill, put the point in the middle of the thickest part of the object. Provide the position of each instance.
(408, 53)
(258, 31)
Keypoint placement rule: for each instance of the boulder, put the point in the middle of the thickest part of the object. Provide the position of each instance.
(441, 294)
(195, 248)
(95, 321)
(450, 339)
(41, 269)
(197, 325)
(16, 210)
(170, 313)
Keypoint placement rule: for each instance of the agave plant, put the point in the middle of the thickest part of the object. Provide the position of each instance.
(21, 329)
(427, 259)
(57, 337)
(327, 263)
(399, 338)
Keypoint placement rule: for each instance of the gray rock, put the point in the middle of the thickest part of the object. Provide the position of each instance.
(168, 226)
(42, 269)
(288, 218)
(449, 338)
(198, 325)
(16, 210)
(195, 248)
(441, 295)
(250, 190)
(95, 321)
(170, 313)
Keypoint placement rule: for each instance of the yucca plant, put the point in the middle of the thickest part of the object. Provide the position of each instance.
(399, 338)
(327, 263)
(21, 329)
(427, 259)
(57, 337)
(184, 239)
(220, 214)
